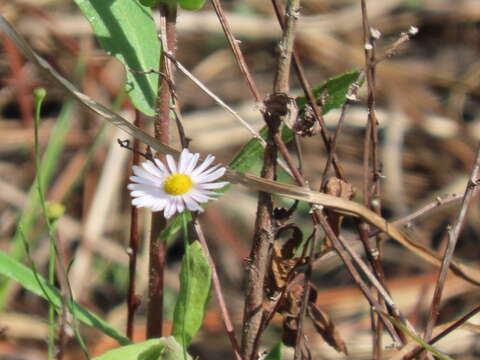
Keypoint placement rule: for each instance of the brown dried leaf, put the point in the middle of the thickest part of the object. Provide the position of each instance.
(325, 327)
(340, 188)
(291, 246)
(280, 267)
(283, 257)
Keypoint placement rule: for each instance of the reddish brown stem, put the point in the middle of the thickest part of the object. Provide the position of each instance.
(132, 301)
(23, 89)
(157, 245)
(156, 279)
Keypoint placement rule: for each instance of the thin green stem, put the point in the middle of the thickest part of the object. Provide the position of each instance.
(39, 96)
(187, 277)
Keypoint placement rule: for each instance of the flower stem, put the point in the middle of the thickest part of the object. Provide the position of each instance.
(187, 277)
(168, 16)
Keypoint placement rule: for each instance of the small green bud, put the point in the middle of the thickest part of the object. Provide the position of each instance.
(55, 210)
(39, 94)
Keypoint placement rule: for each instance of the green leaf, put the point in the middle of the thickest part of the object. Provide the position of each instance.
(126, 30)
(165, 348)
(150, 3)
(252, 152)
(194, 294)
(335, 89)
(276, 352)
(150, 348)
(174, 227)
(191, 4)
(14, 270)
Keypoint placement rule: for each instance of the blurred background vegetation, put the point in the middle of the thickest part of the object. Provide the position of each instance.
(428, 98)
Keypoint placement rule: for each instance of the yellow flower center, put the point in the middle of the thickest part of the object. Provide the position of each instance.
(177, 184)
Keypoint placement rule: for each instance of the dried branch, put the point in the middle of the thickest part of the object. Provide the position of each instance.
(453, 234)
(242, 64)
(259, 258)
(219, 101)
(371, 179)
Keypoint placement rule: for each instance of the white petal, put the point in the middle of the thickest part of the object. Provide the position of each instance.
(144, 174)
(217, 185)
(192, 205)
(142, 202)
(159, 205)
(180, 205)
(145, 190)
(203, 178)
(184, 161)
(153, 169)
(203, 165)
(209, 171)
(199, 196)
(192, 164)
(140, 193)
(160, 165)
(169, 209)
(145, 199)
(141, 180)
(143, 187)
(137, 193)
(166, 209)
(214, 193)
(171, 164)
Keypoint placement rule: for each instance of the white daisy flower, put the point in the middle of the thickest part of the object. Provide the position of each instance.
(171, 188)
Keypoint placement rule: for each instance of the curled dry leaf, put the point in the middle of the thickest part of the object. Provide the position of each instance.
(283, 259)
(340, 188)
(282, 215)
(326, 328)
(341, 205)
(280, 269)
(287, 291)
